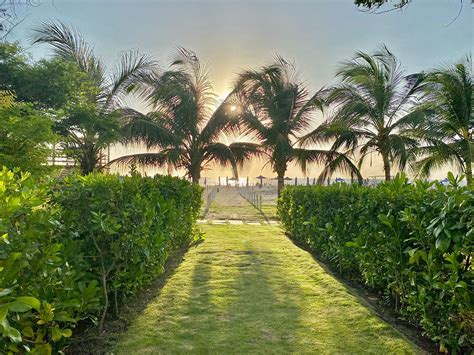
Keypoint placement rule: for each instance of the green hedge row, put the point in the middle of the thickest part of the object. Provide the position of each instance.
(73, 250)
(413, 243)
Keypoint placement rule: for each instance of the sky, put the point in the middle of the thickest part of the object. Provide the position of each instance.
(234, 35)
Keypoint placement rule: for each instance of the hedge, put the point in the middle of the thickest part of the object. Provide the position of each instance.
(72, 250)
(412, 243)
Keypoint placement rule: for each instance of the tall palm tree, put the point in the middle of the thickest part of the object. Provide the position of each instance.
(277, 109)
(91, 122)
(184, 126)
(448, 131)
(374, 110)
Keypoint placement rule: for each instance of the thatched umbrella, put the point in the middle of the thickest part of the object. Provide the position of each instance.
(261, 177)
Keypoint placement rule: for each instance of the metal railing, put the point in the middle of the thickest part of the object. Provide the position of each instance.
(253, 197)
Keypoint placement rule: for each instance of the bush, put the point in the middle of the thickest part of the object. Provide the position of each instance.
(127, 226)
(65, 253)
(413, 243)
(44, 287)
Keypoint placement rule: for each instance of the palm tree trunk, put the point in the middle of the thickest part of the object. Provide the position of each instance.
(281, 171)
(281, 183)
(469, 172)
(386, 167)
(468, 160)
(196, 176)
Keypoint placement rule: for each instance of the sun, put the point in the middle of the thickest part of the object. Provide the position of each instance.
(233, 108)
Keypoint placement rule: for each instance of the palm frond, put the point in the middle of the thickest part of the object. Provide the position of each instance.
(340, 162)
(149, 129)
(69, 44)
(157, 160)
(221, 154)
(244, 151)
(133, 71)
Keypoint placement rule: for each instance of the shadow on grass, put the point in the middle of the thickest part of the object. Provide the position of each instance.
(91, 341)
(259, 319)
(232, 308)
(371, 301)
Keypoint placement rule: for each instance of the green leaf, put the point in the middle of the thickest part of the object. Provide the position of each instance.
(43, 349)
(63, 317)
(56, 334)
(30, 301)
(442, 243)
(352, 244)
(3, 313)
(10, 332)
(19, 307)
(28, 332)
(5, 291)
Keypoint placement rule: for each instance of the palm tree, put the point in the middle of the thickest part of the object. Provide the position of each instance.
(375, 110)
(277, 109)
(449, 130)
(184, 127)
(91, 122)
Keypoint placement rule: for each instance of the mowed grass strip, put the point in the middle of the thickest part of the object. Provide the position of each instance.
(249, 289)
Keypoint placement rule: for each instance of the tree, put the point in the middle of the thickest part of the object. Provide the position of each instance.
(46, 84)
(183, 126)
(375, 110)
(25, 134)
(277, 109)
(448, 131)
(376, 4)
(91, 122)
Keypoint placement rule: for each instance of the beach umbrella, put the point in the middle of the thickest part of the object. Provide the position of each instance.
(260, 177)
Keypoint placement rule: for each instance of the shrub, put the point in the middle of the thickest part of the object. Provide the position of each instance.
(44, 286)
(127, 227)
(413, 243)
(65, 253)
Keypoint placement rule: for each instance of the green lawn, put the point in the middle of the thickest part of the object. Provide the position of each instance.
(249, 289)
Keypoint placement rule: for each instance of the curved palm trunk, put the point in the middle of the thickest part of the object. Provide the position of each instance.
(386, 167)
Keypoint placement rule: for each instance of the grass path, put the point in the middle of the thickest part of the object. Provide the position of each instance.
(249, 289)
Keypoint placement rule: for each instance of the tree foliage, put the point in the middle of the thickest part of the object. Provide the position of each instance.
(375, 111)
(25, 137)
(47, 83)
(104, 92)
(185, 127)
(276, 109)
(448, 131)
